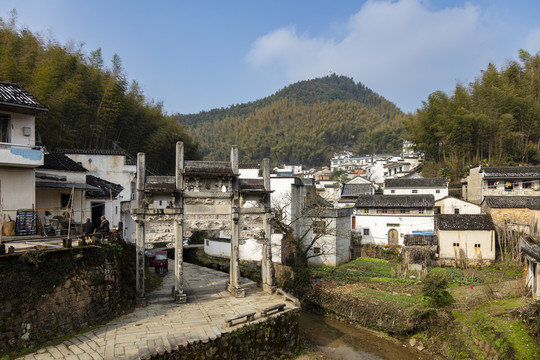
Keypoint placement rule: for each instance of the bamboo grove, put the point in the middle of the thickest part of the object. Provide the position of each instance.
(494, 120)
(90, 106)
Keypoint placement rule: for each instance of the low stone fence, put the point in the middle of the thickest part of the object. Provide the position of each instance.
(275, 337)
(49, 294)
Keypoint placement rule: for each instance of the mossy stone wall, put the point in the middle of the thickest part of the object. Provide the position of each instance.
(276, 337)
(49, 294)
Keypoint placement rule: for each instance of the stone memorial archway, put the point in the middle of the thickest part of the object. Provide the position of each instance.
(202, 196)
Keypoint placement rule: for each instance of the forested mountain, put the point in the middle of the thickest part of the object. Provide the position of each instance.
(90, 105)
(302, 123)
(494, 120)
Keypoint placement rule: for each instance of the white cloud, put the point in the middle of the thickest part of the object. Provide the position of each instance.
(401, 49)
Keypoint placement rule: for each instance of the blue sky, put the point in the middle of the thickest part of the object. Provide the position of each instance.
(199, 55)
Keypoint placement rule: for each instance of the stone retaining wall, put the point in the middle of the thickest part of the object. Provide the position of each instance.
(49, 294)
(275, 337)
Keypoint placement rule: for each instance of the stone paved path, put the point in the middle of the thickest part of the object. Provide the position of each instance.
(164, 325)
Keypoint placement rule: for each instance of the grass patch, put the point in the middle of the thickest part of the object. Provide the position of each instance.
(400, 301)
(492, 324)
(151, 280)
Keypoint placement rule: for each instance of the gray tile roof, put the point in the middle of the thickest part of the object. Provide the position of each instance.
(415, 183)
(464, 222)
(13, 95)
(252, 185)
(106, 188)
(395, 201)
(354, 190)
(513, 202)
(208, 168)
(57, 161)
(497, 172)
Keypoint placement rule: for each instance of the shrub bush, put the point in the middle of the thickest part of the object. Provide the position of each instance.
(434, 288)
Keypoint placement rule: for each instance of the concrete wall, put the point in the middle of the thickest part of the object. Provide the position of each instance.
(473, 191)
(17, 190)
(467, 251)
(379, 225)
(449, 204)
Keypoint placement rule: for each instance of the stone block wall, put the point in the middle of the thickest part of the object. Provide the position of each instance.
(49, 294)
(276, 337)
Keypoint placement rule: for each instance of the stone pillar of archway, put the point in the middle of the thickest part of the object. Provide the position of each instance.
(267, 269)
(234, 269)
(140, 257)
(179, 295)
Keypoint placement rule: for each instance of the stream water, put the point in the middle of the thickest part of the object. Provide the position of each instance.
(339, 340)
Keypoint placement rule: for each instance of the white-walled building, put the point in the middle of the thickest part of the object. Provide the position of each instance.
(466, 240)
(59, 178)
(485, 181)
(115, 168)
(386, 219)
(19, 155)
(438, 187)
(453, 205)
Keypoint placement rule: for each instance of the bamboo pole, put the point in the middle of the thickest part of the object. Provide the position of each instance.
(70, 209)
(1, 213)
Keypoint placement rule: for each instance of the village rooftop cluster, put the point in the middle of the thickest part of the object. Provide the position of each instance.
(380, 199)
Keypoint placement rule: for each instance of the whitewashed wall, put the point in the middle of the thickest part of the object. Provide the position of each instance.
(17, 190)
(438, 193)
(378, 225)
(449, 204)
(467, 240)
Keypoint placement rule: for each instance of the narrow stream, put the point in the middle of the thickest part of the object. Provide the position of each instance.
(342, 341)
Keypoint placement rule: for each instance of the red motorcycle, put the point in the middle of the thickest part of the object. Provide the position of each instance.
(161, 262)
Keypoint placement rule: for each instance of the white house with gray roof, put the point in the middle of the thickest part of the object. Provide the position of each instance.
(386, 219)
(485, 181)
(19, 155)
(438, 187)
(465, 239)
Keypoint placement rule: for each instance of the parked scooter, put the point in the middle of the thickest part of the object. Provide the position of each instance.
(161, 262)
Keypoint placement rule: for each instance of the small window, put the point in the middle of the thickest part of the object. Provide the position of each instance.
(420, 211)
(366, 211)
(415, 191)
(492, 184)
(508, 185)
(437, 191)
(64, 200)
(4, 128)
(456, 244)
(456, 211)
(318, 227)
(392, 191)
(316, 250)
(477, 245)
(526, 184)
(366, 231)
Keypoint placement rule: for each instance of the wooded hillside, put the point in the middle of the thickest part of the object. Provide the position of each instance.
(302, 123)
(90, 105)
(494, 120)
